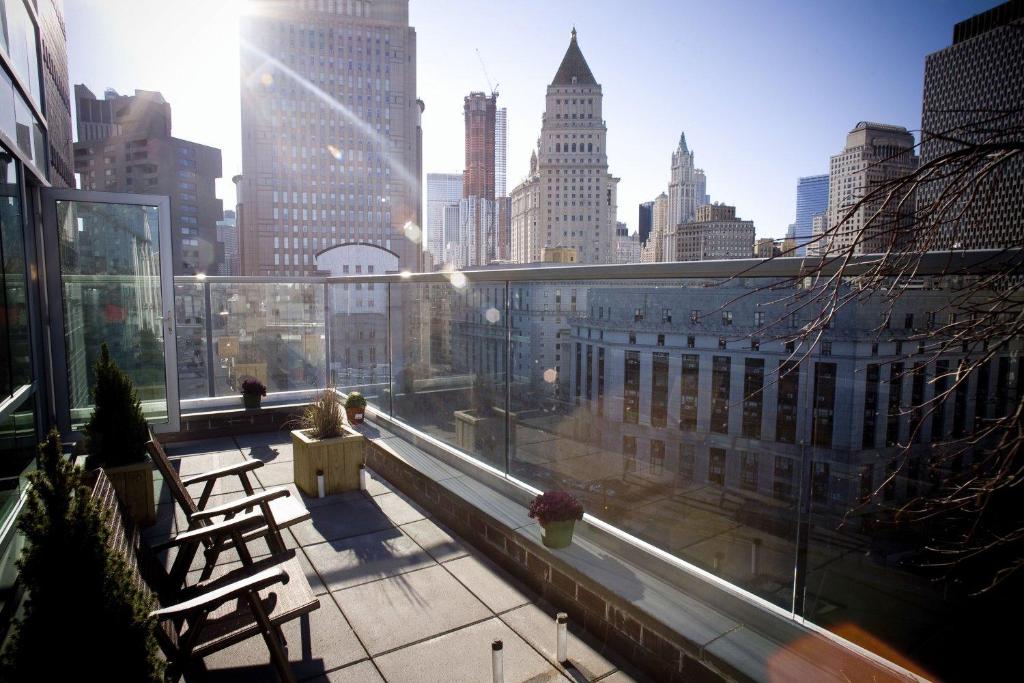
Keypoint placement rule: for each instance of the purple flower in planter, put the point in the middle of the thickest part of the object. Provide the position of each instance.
(555, 506)
(252, 385)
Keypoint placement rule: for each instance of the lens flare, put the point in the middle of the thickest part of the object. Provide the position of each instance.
(267, 79)
(457, 279)
(550, 375)
(335, 152)
(413, 232)
(492, 315)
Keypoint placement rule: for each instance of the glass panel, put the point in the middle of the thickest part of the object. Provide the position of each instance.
(17, 454)
(190, 339)
(450, 364)
(359, 340)
(19, 39)
(273, 332)
(110, 279)
(15, 367)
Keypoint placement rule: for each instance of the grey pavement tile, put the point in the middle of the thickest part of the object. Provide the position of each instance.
(489, 583)
(464, 656)
(165, 525)
(536, 625)
(348, 517)
(311, 502)
(399, 509)
(436, 539)
(361, 672)
(201, 446)
(352, 561)
(276, 474)
(376, 484)
(403, 609)
(307, 568)
(270, 447)
(317, 643)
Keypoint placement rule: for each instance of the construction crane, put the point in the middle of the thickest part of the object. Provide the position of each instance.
(494, 88)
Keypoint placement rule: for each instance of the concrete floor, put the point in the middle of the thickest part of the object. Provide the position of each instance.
(402, 598)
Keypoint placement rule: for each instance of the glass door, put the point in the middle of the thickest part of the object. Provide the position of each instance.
(110, 281)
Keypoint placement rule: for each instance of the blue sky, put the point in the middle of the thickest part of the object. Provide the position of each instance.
(766, 91)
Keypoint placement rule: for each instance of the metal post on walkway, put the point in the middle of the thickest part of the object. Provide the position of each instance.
(561, 636)
(497, 666)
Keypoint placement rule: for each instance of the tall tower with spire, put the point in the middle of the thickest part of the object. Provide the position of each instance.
(687, 187)
(569, 198)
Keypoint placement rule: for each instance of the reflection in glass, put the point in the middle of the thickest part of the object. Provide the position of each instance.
(110, 277)
(15, 369)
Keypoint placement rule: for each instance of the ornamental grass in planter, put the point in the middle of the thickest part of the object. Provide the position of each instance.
(253, 392)
(322, 445)
(557, 512)
(116, 436)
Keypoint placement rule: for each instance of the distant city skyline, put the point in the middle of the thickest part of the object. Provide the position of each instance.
(749, 112)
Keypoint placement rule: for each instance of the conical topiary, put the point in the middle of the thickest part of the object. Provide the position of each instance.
(76, 585)
(116, 433)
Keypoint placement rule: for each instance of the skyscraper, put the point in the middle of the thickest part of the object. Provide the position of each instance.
(874, 153)
(644, 222)
(330, 133)
(56, 91)
(569, 199)
(477, 243)
(125, 145)
(444, 191)
(687, 188)
(969, 82)
(811, 199)
(654, 248)
(500, 152)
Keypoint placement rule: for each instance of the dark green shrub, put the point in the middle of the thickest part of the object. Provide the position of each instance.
(84, 617)
(116, 433)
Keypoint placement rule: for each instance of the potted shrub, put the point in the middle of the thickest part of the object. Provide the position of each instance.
(557, 512)
(77, 584)
(321, 443)
(253, 392)
(355, 407)
(116, 436)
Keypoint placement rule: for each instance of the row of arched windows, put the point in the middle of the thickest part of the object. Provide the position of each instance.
(558, 147)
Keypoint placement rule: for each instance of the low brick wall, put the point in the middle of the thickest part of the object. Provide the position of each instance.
(644, 642)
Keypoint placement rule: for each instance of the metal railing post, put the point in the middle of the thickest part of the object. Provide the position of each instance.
(391, 360)
(508, 381)
(328, 380)
(211, 382)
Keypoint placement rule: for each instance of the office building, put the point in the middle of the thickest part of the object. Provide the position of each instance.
(687, 189)
(965, 85)
(125, 145)
(444, 190)
(715, 234)
(331, 137)
(811, 199)
(227, 235)
(875, 153)
(646, 215)
(569, 198)
(653, 250)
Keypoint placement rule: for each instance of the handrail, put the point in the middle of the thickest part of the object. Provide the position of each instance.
(934, 263)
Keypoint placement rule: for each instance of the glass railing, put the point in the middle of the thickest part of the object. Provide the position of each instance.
(694, 413)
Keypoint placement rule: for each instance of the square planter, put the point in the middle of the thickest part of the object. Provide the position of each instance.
(134, 486)
(338, 458)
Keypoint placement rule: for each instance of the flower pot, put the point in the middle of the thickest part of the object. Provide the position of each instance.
(251, 401)
(355, 415)
(337, 460)
(557, 534)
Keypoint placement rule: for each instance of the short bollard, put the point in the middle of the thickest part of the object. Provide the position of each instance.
(561, 636)
(497, 666)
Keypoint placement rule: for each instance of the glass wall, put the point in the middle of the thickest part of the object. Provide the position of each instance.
(110, 285)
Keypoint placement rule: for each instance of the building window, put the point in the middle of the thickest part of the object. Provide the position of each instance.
(661, 340)
(716, 466)
(657, 457)
(629, 453)
(753, 386)
(826, 348)
(727, 317)
(686, 462)
(659, 390)
(824, 404)
(721, 343)
(689, 388)
(720, 380)
(748, 471)
(789, 394)
(631, 388)
(819, 482)
(691, 341)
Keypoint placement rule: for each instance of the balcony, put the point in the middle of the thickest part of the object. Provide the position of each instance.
(739, 486)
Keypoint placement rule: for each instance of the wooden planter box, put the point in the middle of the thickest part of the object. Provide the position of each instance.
(134, 485)
(338, 458)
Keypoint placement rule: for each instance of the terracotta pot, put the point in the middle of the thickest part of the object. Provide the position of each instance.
(557, 534)
(355, 415)
(251, 401)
